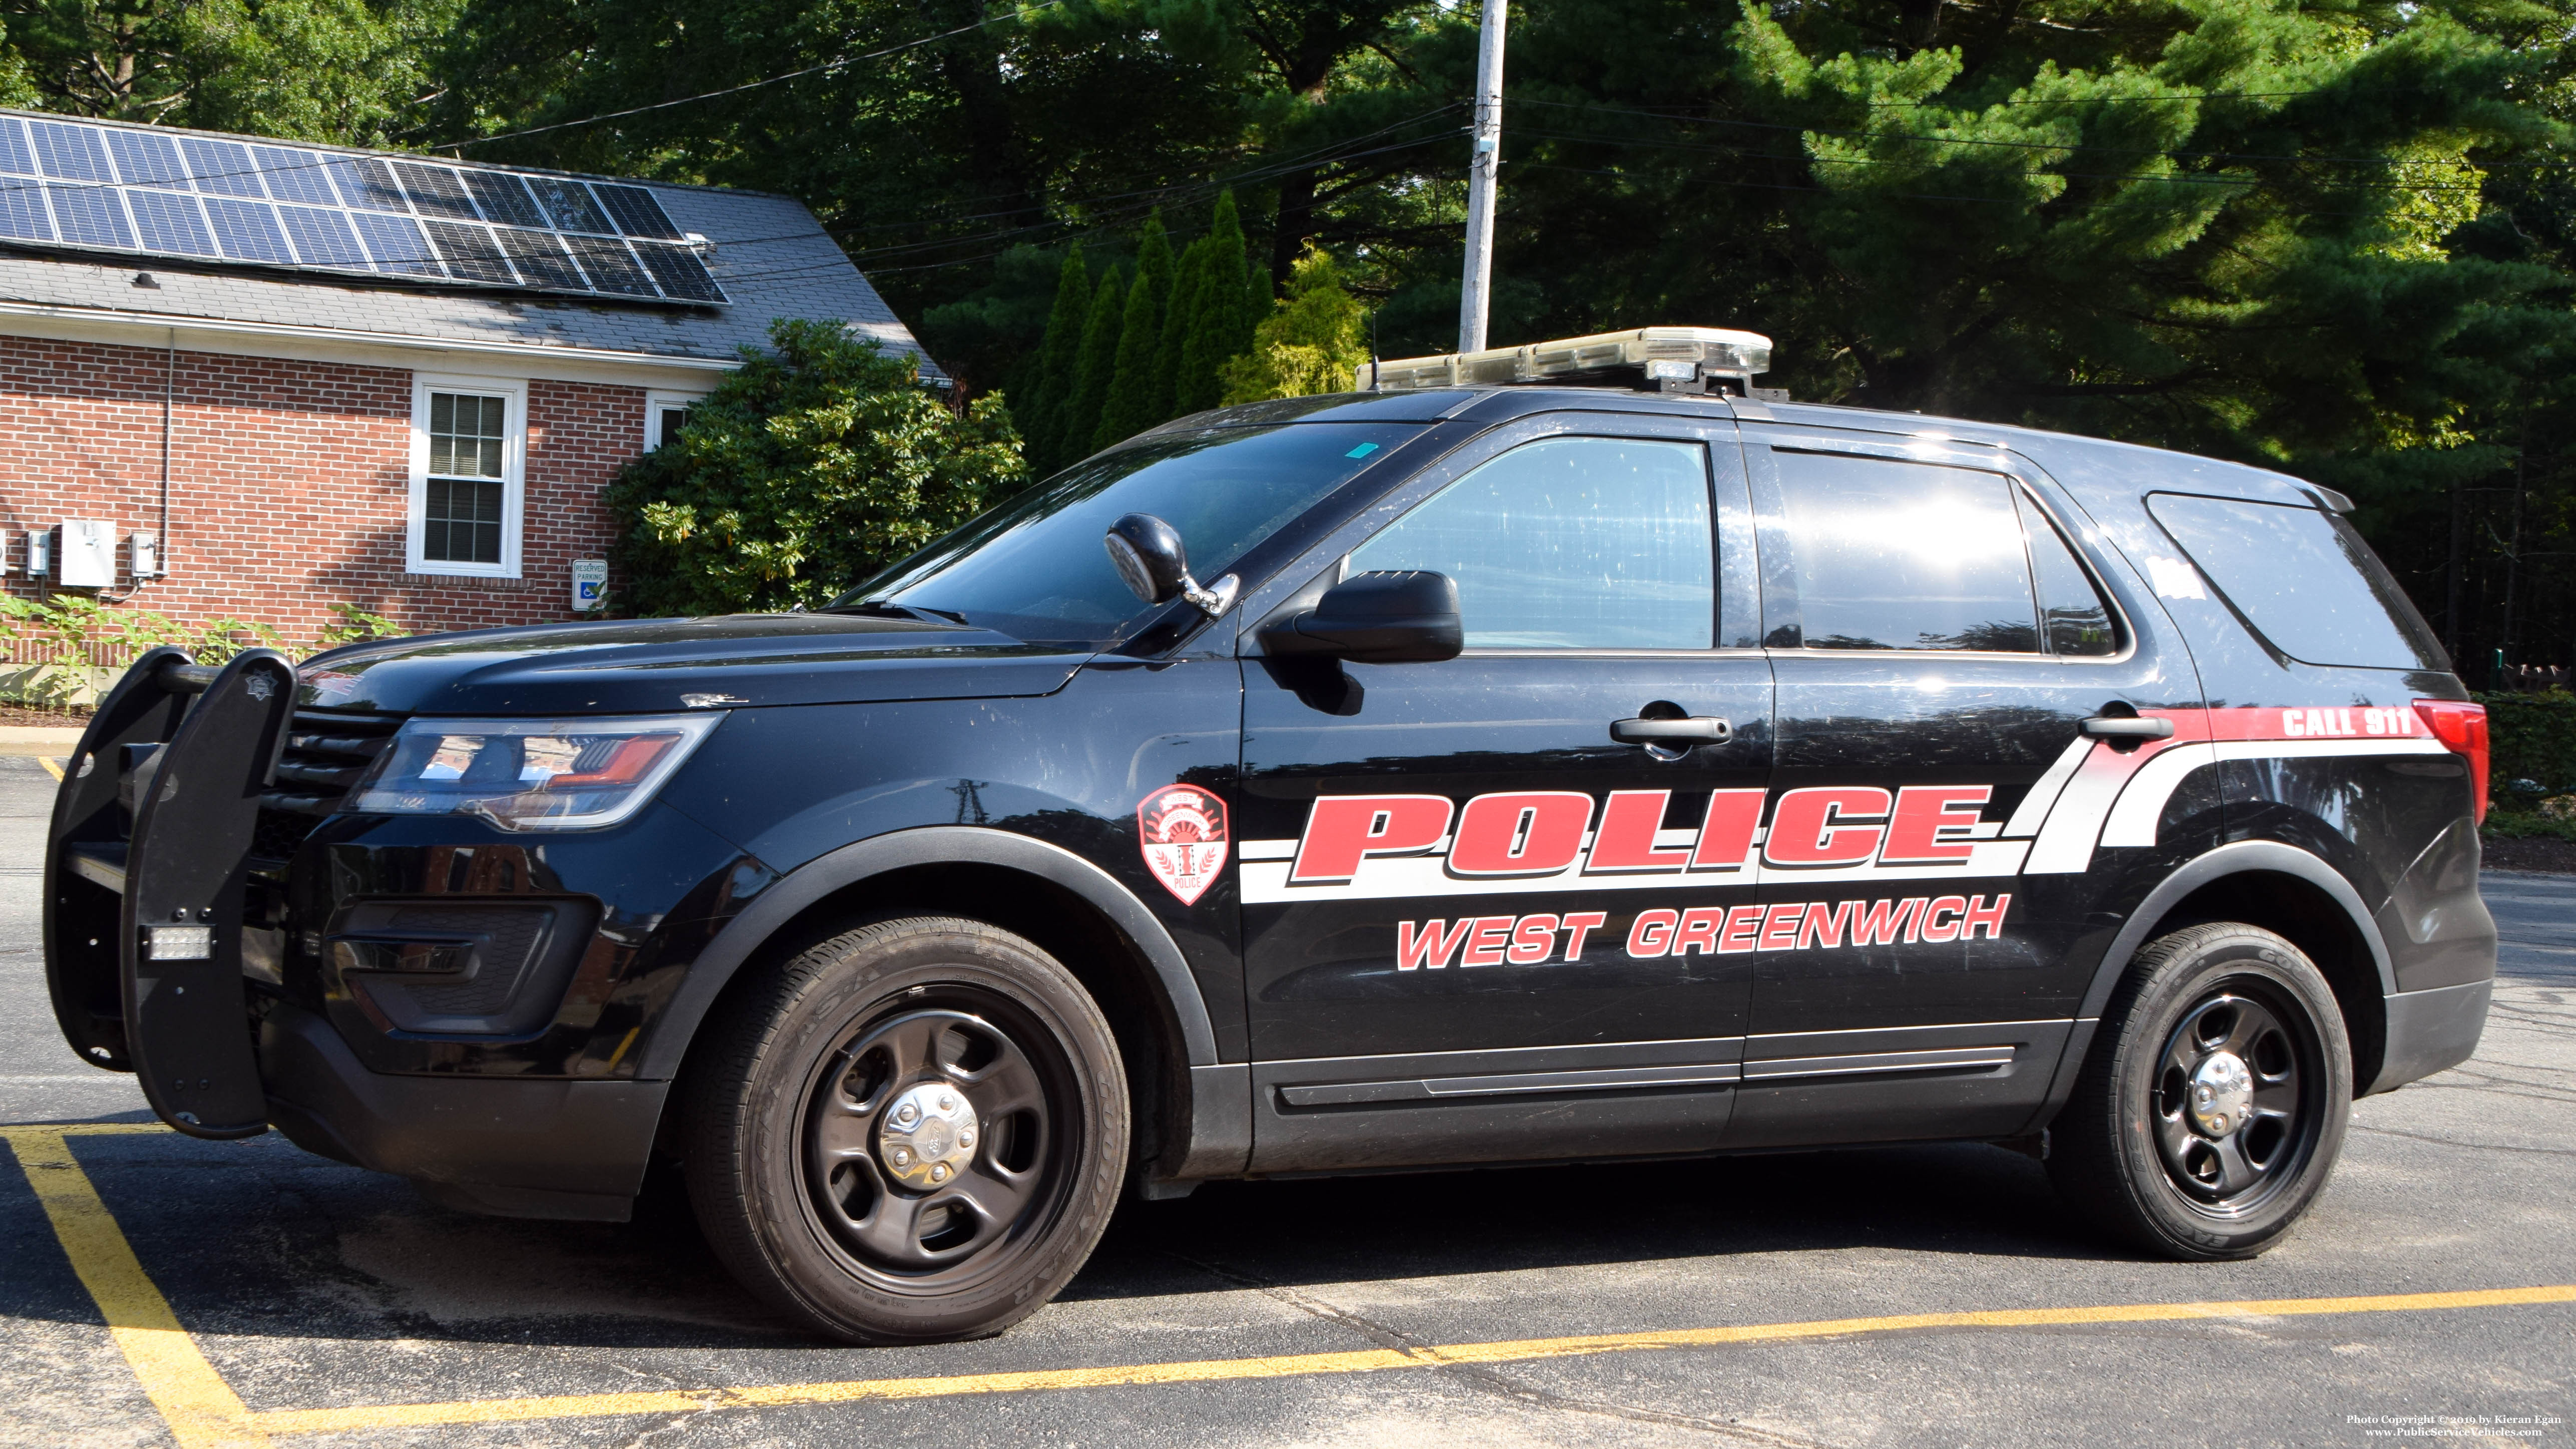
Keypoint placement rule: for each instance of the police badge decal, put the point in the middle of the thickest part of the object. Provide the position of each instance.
(1183, 832)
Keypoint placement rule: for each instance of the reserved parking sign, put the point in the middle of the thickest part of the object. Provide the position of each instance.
(589, 583)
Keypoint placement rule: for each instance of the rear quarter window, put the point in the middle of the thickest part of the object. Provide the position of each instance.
(2303, 578)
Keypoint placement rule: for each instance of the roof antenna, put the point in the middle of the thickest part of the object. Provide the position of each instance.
(1377, 382)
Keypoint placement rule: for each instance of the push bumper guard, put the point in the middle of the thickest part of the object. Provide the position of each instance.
(143, 926)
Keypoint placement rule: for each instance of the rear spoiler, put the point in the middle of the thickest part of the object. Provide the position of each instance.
(143, 928)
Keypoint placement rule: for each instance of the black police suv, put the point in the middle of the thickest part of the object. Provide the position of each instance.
(1558, 753)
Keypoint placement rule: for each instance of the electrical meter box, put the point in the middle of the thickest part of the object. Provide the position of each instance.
(88, 554)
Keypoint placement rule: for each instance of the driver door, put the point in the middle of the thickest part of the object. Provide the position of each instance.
(1476, 925)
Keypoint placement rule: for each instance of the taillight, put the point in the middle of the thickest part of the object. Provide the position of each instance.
(2462, 729)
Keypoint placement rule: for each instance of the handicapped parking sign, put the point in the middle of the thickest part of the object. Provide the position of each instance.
(589, 583)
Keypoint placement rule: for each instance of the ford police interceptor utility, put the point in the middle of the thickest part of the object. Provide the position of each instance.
(1562, 752)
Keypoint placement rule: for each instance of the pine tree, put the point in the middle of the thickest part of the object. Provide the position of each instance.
(1198, 381)
(1059, 355)
(1180, 321)
(1092, 369)
(1128, 409)
(1154, 260)
(1313, 344)
(1254, 304)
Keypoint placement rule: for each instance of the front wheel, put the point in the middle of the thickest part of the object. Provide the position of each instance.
(2209, 1113)
(912, 1131)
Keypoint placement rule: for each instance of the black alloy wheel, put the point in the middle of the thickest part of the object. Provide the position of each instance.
(2233, 1118)
(929, 1140)
(2212, 1103)
(914, 1130)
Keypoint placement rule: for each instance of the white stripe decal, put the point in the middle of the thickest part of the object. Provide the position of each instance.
(2133, 820)
(2065, 843)
(2092, 796)
(2044, 791)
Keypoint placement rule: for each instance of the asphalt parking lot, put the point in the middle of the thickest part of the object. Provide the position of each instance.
(266, 1295)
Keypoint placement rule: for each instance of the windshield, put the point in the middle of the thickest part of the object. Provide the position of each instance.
(1035, 568)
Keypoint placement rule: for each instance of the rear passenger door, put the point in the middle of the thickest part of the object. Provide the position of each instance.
(1940, 621)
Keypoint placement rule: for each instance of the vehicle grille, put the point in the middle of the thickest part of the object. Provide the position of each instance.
(325, 756)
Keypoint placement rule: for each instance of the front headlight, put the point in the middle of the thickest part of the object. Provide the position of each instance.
(521, 774)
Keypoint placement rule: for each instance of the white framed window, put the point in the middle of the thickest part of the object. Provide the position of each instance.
(665, 413)
(468, 455)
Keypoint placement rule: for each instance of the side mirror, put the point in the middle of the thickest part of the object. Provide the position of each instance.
(1408, 617)
(1150, 558)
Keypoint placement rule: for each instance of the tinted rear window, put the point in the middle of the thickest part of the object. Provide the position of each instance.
(1894, 555)
(2304, 578)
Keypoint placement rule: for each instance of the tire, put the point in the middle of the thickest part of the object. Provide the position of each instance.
(2168, 1147)
(913, 1131)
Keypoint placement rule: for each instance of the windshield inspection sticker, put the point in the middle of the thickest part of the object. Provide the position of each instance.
(1183, 830)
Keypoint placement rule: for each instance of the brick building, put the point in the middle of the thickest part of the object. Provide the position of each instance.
(313, 376)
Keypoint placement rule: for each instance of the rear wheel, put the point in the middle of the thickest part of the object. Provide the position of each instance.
(2212, 1106)
(913, 1131)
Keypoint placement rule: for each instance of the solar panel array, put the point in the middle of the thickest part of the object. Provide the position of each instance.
(210, 198)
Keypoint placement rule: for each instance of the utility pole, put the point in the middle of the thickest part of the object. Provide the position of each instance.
(1476, 288)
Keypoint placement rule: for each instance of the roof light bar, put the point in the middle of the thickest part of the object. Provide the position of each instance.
(1671, 359)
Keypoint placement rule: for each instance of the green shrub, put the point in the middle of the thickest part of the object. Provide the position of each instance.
(2507, 824)
(1313, 342)
(356, 626)
(2531, 737)
(82, 644)
(810, 467)
(79, 630)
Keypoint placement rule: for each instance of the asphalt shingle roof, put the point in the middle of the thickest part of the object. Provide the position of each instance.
(771, 256)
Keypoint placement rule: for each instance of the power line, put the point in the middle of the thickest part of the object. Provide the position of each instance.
(1139, 201)
(2113, 100)
(2178, 178)
(1828, 191)
(748, 85)
(2007, 145)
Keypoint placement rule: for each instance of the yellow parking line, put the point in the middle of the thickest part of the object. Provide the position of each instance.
(575, 1406)
(200, 1408)
(52, 766)
(203, 1411)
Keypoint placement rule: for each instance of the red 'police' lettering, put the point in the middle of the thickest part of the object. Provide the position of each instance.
(1536, 832)
(1626, 839)
(1811, 827)
(1343, 830)
(1726, 838)
(1916, 833)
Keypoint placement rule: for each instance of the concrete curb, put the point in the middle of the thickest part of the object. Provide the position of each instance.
(38, 740)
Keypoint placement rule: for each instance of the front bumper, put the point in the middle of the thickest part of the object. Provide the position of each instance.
(516, 1147)
(213, 926)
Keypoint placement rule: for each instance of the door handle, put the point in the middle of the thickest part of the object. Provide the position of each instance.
(2128, 727)
(1696, 729)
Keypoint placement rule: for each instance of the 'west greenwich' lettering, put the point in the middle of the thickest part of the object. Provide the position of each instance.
(1528, 940)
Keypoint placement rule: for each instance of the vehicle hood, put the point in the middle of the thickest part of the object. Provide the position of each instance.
(644, 666)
